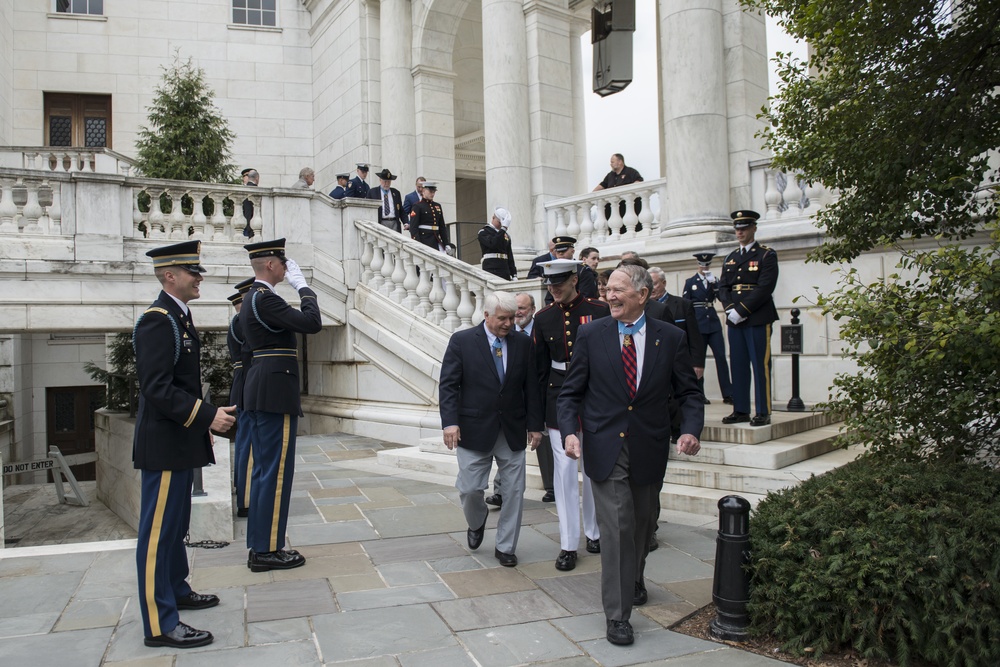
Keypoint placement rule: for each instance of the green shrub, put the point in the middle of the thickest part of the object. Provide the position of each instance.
(897, 560)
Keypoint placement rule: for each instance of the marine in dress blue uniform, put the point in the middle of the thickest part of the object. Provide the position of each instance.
(494, 242)
(271, 399)
(701, 290)
(172, 438)
(340, 191)
(555, 332)
(358, 187)
(240, 356)
(427, 220)
(749, 275)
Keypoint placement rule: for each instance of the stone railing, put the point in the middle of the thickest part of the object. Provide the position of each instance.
(441, 289)
(29, 203)
(777, 197)
(67, 159)
(194, 210)
(596, 217)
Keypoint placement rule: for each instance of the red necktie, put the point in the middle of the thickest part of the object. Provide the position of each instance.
(629, 362)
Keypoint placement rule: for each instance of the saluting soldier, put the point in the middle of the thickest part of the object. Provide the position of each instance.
(749, 276)
(240, 355)
(427, 220)
(554, 333)
(172, 438)
(498, 256)
(271, 399)
(701, 290)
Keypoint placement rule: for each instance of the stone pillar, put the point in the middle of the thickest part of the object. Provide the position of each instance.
(580, 184)
(505, 110)
(434, 105)
(399, 144)
(694, 116)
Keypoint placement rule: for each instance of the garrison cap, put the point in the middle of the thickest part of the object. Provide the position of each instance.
(184, 255)
(704, 258)
(275, 248)
(563, 242)
(744, 219)
(558, 271)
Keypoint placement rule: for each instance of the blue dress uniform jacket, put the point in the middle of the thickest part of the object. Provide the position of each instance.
(172, 425)
(471, 396)
(270, 324)
(702, 296)
(498, 256)
(747, 283)
(357, 188)
(427, 224)
(338, 192)
(555, 334)
(234, 343)
(536, 269)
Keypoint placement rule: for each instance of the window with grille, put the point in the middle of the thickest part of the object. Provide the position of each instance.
(255, 12)
(77, 120)
(93, 7)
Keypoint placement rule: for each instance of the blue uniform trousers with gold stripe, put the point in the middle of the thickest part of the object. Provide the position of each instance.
(750, 348)
(243, 459)
(161, 559)
(272, 438)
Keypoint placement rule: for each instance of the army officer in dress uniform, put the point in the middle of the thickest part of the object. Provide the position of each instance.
(749, 275)
(701, 290)
(271, 399)
(554, 334)
(498, 256)
(239, 354)
(172, 438)
(427, 220)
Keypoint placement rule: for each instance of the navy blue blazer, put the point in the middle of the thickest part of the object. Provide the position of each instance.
(595, 395)
(408, 202)
(471, 396)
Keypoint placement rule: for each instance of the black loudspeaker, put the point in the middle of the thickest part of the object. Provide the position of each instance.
(613, 63)
(611, 16)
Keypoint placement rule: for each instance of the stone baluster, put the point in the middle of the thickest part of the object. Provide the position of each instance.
(366, 258)
(615, 221)
(560, 222)
(388, 266)
(398, 292)
(450, 302)
(55, 209)
(630, 218)
(90, 162)
(257, 224)
(178, 221)
(238, 223)
(772, 196)
(32, 210)
(661, 216)
(466, 306)
(410, 282)
(600, 223)
(814, 196)
(646, 216)
(8, 210)
(424, 307)
(155, 218)
(793, 197)
(480, 294)
(572, 226)
(586, 225)
(219, 222)
(202, 228)
(378, 258)
(136, 215)
(29, 160)
(437, 294)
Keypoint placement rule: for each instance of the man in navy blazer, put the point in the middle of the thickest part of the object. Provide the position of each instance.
(626, 430)
(491, 407)
(411, 199)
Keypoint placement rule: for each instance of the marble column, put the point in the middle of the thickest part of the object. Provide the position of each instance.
(505, 110)
(580, 184)
(399, 144)
(694, 116)
(434, 124)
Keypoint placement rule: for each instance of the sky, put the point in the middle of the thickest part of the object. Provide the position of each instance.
(637, 139)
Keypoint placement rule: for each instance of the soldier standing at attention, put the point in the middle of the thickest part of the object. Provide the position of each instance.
(271, 399)
(172, 438)
(498, 257)
(240, 355)
(749, 276)
(427, 220)
(701, 290)
(554, 334)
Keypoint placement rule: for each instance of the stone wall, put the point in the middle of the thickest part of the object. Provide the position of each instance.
(6, 69)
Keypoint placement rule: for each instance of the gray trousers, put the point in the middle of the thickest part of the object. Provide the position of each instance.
(473, 478)
(626, 515)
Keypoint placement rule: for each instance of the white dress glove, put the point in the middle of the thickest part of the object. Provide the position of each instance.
(709, 277)
(735, 317)
(506, 223)
(293, 274)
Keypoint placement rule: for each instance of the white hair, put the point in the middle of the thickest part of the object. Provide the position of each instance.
(500, 301)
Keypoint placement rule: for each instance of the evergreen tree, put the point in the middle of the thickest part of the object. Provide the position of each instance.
(187, 139)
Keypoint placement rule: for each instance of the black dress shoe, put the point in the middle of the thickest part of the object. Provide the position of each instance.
(496, 500)
(549, 497)
(275, 560)
(243, 513)
(760, 420)
(475, 537)
(197, 601)
(620, 633)
(736, 418)
(566, 560)
(728, 400)
(640, 596)
(653, 544)
(507, 560)
(707, 402)
(291, 552)
(182, 636)
(593, 546)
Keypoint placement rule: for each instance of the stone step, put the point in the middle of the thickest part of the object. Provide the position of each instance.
(698, 500)
(772, 455)
(783, 424)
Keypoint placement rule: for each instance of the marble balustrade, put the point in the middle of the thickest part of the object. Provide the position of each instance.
(585, 218)
(206, 220)
(29, 203)
(67, 159)
(778, 195)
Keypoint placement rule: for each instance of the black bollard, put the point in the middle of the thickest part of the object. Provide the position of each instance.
(796, 404)
(199, 485)
(731, 588)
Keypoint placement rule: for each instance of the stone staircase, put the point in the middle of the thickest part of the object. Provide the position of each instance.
(735, 459)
